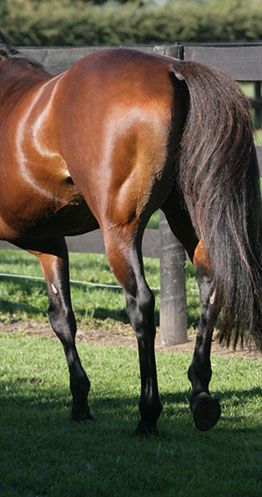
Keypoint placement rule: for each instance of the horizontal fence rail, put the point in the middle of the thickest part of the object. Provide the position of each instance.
(243, 62)
(93, 243)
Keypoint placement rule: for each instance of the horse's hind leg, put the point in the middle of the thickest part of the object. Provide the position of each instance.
(205, 407)
(124, 255)
(54, 262)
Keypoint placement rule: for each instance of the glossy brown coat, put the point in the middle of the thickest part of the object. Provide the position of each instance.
(109, 150)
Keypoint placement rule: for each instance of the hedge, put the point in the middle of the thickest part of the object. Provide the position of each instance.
(78, 23)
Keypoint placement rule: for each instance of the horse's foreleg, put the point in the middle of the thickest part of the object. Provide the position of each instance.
(125, 260)
(205, 407)
(54, 262)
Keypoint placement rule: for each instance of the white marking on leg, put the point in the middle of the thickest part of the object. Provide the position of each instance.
(54, 289)
(212, 297)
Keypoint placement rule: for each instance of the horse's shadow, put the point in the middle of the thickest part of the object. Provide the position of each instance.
(121, 409)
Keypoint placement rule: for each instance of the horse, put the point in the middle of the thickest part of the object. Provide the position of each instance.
(105, 144)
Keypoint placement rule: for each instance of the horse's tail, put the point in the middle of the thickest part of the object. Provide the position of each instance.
(219, 178)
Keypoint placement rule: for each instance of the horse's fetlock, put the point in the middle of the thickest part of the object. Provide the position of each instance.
(150, 409)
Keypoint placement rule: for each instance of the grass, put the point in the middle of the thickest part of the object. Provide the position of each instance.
(24, 299)
(43, 455)
(248, 89)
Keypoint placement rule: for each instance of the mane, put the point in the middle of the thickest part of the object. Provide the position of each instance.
(11, 53)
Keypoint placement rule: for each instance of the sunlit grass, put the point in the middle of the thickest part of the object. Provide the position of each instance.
(248, 89)
(94, 306)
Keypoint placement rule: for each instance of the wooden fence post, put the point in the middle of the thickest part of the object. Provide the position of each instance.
(258, 102)
(173, 317)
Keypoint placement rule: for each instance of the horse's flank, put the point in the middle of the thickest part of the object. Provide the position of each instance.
(96, 131)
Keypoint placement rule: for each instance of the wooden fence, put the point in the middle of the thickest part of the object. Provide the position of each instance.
(243, 62)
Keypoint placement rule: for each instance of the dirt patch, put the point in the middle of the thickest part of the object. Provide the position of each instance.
(125, 338)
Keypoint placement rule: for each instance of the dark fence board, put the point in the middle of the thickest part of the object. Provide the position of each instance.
(242, 63)
(93, 243)
(56, 60)
(59, 59)
(170, 50)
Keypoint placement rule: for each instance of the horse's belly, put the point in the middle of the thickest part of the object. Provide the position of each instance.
(35, 220)
(68, 220)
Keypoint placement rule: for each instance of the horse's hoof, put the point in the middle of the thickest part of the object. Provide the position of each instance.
(143, 431)
(206, 411)
(83, 419)
(78, 416)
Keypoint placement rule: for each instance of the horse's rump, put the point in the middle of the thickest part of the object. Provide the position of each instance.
(100, 132)
(125, 133)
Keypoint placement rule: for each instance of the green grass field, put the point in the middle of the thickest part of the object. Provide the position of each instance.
(44, 455)
(25, 299)
(248, 89)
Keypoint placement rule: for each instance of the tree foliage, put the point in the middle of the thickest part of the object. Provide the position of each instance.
(81, 22)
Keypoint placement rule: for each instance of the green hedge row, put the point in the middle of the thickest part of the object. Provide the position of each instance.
(42, 23)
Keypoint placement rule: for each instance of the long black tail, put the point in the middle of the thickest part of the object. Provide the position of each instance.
(219, 178)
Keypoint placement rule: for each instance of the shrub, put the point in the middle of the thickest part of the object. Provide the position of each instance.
(61, 22)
